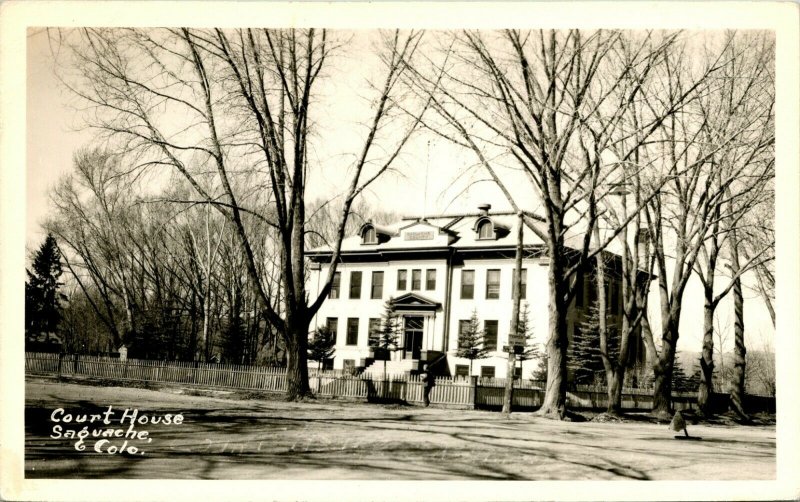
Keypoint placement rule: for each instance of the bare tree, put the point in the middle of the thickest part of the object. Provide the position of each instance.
(741, 111)
(687, 212)
(232, 112)
(550, 103)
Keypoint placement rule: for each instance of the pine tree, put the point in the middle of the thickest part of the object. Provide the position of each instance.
(322, 345)
(540, 373)
(681, 381)
(470, 342)
(42, 299)
(525, 329)
(386, 337)
(584, 356)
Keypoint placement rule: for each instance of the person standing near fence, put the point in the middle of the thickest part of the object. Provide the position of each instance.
(428, 381)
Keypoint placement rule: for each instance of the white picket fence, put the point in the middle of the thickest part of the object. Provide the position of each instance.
(457, 392)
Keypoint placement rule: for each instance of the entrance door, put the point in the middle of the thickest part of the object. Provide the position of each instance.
(413, 337)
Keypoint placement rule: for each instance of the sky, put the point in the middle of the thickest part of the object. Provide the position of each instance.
(55, 131)
(435, 177)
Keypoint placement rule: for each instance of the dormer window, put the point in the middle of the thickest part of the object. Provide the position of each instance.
(486, 229)
(372, 234)
(368, 235)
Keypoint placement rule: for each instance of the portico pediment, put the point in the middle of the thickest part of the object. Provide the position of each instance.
(413, 301)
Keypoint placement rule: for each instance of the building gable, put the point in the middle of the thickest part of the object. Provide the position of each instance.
(414, 301)
(423, 234)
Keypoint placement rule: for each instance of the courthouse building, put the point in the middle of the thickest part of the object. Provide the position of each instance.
(437, 271)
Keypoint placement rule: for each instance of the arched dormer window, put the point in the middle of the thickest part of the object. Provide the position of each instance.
(368, 235)
(486, 229)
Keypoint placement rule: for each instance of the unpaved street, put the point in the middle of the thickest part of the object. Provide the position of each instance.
(237, 439)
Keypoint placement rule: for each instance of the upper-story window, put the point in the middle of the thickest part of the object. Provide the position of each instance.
(355, 285)
(377, 286)
(486, 229)
(335, 286)
(368, 235)
(416, 280)
(430, 279)
(402, 280)
(493, 284)
(467, 284)
(523, 292)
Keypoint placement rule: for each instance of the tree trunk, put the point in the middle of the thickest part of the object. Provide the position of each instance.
(297, 386)
(514, 328)
(662, 370)
(614, 382)
(706, 387)
(554, 403)
(739, 351)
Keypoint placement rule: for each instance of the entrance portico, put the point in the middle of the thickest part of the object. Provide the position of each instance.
(419, 315)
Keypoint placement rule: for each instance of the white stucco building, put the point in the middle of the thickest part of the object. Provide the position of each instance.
(437, 271)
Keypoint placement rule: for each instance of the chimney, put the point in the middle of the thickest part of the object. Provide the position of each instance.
(484, 209)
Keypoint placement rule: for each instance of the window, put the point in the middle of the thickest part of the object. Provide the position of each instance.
(333, 325)
(467, 284)
(492, 284)
(349, 366)
(369, 236)
(517, 372)
(462, 370)
(416, 280)
(355, 285)
(490, 335)
(402, 278)
(463, 326)
(486, 230)
(377, 286)
(430, 280)
(487, 371)
(352, 331)
(335, 285)
(374, 329)
(523, 292)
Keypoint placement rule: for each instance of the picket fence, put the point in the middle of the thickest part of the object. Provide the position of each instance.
(455, 392)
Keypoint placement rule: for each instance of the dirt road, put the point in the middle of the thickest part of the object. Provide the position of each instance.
(220, 438)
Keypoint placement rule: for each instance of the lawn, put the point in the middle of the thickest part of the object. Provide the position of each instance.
(226, 438)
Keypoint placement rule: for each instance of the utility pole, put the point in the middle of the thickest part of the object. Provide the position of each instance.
(514, 335)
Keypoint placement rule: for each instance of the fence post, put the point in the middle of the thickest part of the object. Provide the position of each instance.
(75, 365)
(473, 390)
(60, 358)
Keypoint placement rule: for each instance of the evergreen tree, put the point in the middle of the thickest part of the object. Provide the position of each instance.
(540, 373)
(386, 337)
(233, 340)
(525, 329)
(681, 381)
(584, 357)
(42, 299)
(322, 345)
(470, 342)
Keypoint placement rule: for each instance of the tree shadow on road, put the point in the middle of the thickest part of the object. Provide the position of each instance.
(259, 441)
